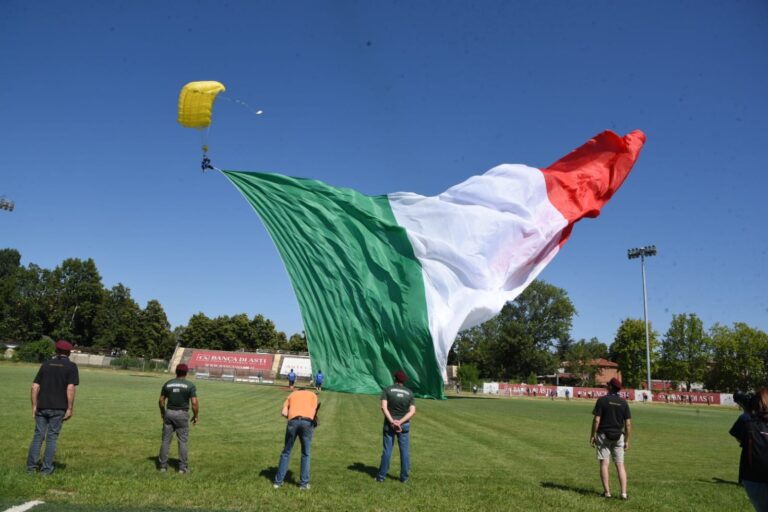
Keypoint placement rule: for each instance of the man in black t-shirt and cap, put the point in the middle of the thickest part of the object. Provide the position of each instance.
(175, 397)
(53, 398)
(398, 405)
(611, 428)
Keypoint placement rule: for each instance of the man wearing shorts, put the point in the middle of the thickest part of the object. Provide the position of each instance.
(611, 428)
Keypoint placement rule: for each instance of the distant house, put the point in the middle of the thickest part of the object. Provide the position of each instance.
(603, 369)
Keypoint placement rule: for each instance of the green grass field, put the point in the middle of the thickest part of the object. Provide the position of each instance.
(468, 453)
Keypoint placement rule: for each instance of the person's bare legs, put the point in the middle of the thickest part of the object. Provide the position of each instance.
(622, 471)
(604, 477)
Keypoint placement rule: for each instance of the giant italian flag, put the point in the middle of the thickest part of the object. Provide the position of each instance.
(385, 283)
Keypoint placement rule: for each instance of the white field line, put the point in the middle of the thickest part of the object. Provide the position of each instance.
(25, 506)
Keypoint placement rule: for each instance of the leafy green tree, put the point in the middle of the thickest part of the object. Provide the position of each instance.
(628, 350)
(740, 358)
(79, 295)
(531, 326)
(10, 267)
(474, 346)
(469, 375)
(522, 338)
(563, 348)
(582, 360)
(685, 351)
(266, 336)
(156, 340)
(36, 351)
(243, 331)
(297, 343)
(118, 320)
(225, 334)
(199, 332)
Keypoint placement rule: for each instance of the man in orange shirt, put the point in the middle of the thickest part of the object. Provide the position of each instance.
(300, 408)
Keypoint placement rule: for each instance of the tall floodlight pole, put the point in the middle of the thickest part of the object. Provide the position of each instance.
(642, 253)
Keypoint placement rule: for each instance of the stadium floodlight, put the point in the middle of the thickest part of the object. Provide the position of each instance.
(7, 204)
(642, 253)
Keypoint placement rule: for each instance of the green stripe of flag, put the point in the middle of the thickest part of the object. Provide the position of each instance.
(358, 284)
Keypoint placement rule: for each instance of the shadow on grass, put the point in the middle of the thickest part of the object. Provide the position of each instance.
(363, 468)
(578, 490)
(270, 473)
(716, 480)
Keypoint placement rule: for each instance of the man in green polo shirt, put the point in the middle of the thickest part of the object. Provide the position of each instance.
(175, 398)
(398, 405)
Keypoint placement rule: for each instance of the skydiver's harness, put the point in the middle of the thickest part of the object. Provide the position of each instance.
(206, 163)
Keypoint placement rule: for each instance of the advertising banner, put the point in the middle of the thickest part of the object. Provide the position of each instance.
(236, 360)
(302, 366)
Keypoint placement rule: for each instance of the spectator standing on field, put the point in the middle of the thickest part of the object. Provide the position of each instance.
(611, 429)
(175, 398)
(291, 379)
(53, 399)
(751, 430)
(398, 405)
(319, 378)
(301, 409)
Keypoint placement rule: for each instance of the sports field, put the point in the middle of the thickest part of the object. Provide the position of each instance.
(468, 453)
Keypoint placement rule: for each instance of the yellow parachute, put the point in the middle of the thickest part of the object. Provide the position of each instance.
(196, 103)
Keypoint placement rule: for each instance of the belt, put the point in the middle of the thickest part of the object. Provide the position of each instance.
(301, 418)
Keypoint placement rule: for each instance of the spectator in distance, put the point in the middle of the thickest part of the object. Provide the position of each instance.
(291, 379)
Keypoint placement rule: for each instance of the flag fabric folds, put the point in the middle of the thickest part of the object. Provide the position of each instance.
(385, 283)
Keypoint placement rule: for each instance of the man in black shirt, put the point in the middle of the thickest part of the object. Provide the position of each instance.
(53, 398)
(611, 428)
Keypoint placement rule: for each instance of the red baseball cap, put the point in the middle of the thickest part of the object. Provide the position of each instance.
(615, 384)
(64, 346)
(182, 368)
(400, 376)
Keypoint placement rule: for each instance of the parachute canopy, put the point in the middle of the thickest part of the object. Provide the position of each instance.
(196, 103)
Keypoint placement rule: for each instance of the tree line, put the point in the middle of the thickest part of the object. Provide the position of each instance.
(70, 302)
(531, 337)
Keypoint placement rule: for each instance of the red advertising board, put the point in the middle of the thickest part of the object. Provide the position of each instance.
(220, 359)
(683, 397)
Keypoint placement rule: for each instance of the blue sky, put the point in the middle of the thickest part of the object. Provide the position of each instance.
(386, 96)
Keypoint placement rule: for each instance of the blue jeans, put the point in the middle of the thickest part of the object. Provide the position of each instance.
(386, 454)
(47, 427)
(757, 493)
(304, 430)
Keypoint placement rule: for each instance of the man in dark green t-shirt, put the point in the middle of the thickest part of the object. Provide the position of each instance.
(175, 398)
(398, 405)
